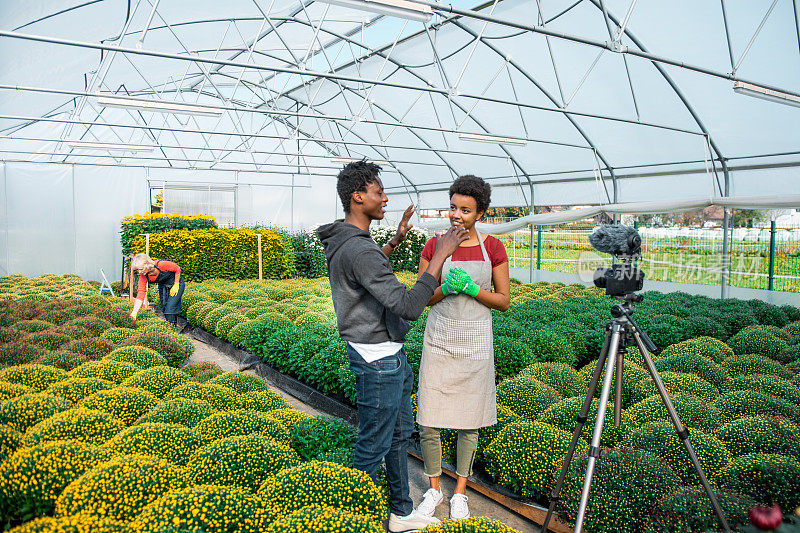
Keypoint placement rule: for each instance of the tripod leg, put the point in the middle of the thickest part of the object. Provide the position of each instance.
(594, 448)
(683, 433)
(580, 420)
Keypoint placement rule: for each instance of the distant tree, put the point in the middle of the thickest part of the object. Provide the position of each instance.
(741, 218)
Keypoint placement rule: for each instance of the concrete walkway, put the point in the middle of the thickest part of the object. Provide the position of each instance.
(479, 505)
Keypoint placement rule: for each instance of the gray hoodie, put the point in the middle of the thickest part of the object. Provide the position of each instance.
(371, 305)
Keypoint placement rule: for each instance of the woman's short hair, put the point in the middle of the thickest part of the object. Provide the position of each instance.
(475, 187)
(141, 262)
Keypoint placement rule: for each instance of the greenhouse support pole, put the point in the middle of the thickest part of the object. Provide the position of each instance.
(772, 232)
(260, 262)
(539, 249)
(530, 241)
(726, 220)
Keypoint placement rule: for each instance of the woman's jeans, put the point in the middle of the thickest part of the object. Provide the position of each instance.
(385, 423)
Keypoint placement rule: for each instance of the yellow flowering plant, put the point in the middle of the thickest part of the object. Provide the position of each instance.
(28, 410)
(157, 380)
(328, 519)
(242, 461)
(109, 370)
(140, 356)
(172, 442)
(207, 508)
(325, 484)
(32, 479)
(125, 403)
(692, 411)
(220, 397)
(241, 383)
(242, 422)
(120, 488)
(37, 377)
(476, 524)
(79, 424)
(184, 411)
(263, 400)
(761, 434)
(133, 225)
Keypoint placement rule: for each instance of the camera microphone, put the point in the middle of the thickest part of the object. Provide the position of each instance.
(616, 240)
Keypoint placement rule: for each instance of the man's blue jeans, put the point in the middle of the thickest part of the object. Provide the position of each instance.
(385, 423)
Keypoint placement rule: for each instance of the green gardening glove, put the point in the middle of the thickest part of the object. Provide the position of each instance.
(447, 290)
(460, 280)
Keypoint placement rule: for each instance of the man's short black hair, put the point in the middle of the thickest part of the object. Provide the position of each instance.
(475, 187)
(354, 177)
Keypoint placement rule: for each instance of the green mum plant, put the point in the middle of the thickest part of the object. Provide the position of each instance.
(201, 371)
(562, 415)
(737, 404)
(563, 378)
(94, 324)
(691, 363)
(31, 326)
(631, 375)
(524, 455)
(325, 484)
(782, 388)
(125, 403)
(626, 482)
(243, 461)
(28, 410)
(486, 435)
(745, 365)
(206, 508)
(708, 347)
(320, 434)
(526, 396)
(91, 348)
(117, 317)
(767, 478)
(120, 488)
(330, 519)
(75, 332)
(689, 509)
(79, 424)
(21, 353)
(184, 411)
(676, 382)
(692, 411)
(660, 439)
(761, 434)
(172, 442)
(49, 339)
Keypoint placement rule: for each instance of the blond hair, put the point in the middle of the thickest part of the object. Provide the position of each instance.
(141, 262)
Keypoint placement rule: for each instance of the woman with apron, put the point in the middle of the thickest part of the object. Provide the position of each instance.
(456, 376)
(170, 285)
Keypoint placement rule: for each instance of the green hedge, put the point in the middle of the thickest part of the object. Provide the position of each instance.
(220, 253)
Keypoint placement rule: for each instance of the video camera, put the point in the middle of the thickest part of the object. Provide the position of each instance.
(625, 245)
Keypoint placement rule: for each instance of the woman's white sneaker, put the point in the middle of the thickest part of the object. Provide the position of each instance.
(430, 500)
(458, 507)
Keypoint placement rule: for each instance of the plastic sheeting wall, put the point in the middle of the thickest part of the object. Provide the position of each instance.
(59, 218)
(64, 218)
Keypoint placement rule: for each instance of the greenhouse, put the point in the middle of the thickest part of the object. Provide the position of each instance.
(604, 248)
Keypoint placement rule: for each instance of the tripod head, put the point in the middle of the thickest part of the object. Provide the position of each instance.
(622, 314)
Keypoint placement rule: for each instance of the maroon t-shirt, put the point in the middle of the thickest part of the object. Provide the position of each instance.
(494, 249)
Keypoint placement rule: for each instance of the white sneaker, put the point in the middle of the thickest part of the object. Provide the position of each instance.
(458, 507)
(430, 500)
(413, 522)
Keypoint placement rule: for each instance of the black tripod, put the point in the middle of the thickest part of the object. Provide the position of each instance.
(620, 331)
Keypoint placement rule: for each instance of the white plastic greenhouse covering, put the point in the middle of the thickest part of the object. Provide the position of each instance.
(587, 102)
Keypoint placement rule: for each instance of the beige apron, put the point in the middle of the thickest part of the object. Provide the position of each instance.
(456, 374)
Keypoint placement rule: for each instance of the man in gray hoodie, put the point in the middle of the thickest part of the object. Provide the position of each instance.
(372, 311)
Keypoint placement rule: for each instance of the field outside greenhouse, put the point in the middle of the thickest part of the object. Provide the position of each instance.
(680, 255)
